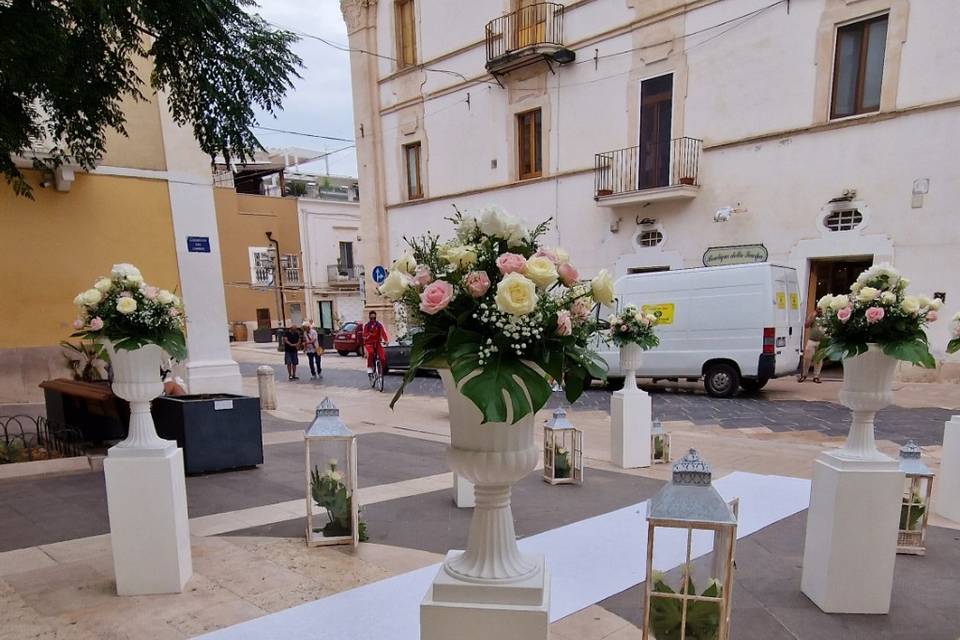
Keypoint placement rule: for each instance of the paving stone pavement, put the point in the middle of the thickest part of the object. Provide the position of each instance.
(898, 424)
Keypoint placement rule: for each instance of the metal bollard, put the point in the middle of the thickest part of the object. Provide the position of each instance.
(268, 390)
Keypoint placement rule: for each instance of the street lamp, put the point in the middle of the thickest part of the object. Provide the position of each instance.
(331, 490)
(562, 450)
(915, 505)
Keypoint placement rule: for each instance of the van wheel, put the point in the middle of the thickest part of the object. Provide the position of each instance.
(752, 385)
(721, 380)
(343, 353)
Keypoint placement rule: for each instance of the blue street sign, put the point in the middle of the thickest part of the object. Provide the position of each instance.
(198, 244)
(379, 274)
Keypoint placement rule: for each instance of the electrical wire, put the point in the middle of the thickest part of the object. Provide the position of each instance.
(303, 133)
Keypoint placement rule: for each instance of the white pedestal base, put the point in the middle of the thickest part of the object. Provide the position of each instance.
(946, 502)
(851, 543)
(149, 529)
(479, 611)
(630, 416)
(463, 492)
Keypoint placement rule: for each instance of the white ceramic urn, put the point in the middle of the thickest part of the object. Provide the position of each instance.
(136, 379)
(493, 456)
(631, 357)
(867, 388)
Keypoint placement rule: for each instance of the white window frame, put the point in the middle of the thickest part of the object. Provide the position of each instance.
(253, 253)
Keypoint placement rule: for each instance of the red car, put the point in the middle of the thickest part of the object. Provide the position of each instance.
(348, 339)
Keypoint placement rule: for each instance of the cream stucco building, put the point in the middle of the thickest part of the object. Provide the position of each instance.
(824, 130)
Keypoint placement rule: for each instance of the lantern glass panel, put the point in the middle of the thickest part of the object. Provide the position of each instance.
(331, 484)
(562, 455)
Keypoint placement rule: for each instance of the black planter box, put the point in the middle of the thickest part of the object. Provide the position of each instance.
(216, 431)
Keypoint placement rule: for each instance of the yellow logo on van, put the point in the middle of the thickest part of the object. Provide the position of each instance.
(794, 301)
(781, 300)
(663, 311)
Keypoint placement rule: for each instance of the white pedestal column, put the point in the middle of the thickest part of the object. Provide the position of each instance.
(851, 542)
(149, 529)
(946, 502)
(630, 418)
(463, 492)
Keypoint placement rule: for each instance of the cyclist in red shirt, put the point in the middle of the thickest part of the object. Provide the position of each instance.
(374, 338)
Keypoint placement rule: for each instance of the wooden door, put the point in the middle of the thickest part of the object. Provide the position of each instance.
(656, 112)
(263, 319)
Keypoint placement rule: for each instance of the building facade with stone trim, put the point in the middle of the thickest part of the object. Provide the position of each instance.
(819, 134)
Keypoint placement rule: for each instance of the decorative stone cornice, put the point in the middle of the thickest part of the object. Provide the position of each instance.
(355, 11)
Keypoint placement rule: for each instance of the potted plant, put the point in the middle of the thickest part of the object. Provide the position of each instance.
(329, 492)
(341, 271)
(87, 360)
(632, 331)
(136, 322)
(870, 329)
(499, 314)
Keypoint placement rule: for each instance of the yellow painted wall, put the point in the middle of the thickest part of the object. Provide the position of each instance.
(57, 245)
(142, 148)
(242, 222)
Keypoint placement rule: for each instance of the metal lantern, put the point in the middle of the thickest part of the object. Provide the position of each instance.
(333, 515)
(562, 450)
(659, 443)
(688, 511)
(915, 505)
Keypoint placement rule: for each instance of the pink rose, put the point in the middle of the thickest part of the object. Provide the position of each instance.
(436, 297)
(844, 314)
(511, 263)
(874, 315)
(126, 294)
(581, 308)
(174, 312)
(477, 283)
(150, 293)
(422, 276)
(564, 323)
(624, 328)
(96, 324)
(568, 274)
(78, 324)
(547, 253)
(932, 315)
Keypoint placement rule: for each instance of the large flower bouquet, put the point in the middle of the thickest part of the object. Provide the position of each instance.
(130, 313)
(500, 311)
(877, 310)
(633, 326)
(954, 345)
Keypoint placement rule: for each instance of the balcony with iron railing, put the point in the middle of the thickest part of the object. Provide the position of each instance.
(338, 276)
(648, 172)
(531, 33)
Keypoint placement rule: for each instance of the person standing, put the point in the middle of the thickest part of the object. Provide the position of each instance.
(374, 339)
(292, 343)
(311, 346)
(815, 334)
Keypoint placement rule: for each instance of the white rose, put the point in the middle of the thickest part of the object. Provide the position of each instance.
(888, 297)
(126, 306)
(91, 297)
(103, 285)
(602, 288)
(924, 301)
(493, 221)
(824, 303)
(165, 297)
(839, 302)
(405, 263)
(79, 301)
(866, 294)
(936, 303)
(855, 287)
(467, 228)
(541, 270)
(910, 305)
(395, 285)
(516, 234)
(563, 256)
(903, 282)
(956, 317)
(516, 295)
(460, 256)
(128, 271)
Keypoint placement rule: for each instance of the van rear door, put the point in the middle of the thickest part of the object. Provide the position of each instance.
(788, 322)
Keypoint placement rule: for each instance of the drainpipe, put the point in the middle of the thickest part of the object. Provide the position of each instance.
(283, 306)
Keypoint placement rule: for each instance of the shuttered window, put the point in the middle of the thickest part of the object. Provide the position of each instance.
(406, 34)
(529, 130)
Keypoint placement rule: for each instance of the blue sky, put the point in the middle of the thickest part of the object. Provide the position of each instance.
(321, 101)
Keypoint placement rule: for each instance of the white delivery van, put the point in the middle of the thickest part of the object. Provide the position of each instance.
(734, 326)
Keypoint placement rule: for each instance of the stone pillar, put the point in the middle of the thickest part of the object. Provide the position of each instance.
(946, 500)
(266, 382)
(210, 367)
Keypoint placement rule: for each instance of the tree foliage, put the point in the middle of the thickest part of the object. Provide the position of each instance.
(67, 65)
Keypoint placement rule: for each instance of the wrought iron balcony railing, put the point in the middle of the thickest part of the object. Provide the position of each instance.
(527, 28)
(647, 166)
(343, 275)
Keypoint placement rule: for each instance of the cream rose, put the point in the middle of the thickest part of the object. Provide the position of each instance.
(839, 302)
(126, 306)
(103, 285)
(541, 270)
(460, 256)
(92, 297)
(824, 303)
(888, 297)
(910, 305)
(395, 285)
(405, 263)
(165, 297)
(516, 295)
(78, 301)
(602, 288)
(867, 294)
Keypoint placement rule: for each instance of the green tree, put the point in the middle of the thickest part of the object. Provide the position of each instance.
(66, 66)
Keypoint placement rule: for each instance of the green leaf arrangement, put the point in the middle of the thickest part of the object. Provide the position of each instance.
(330, 493)
(658, 447)
(561, 463)
(911, 512)
(666, 614)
